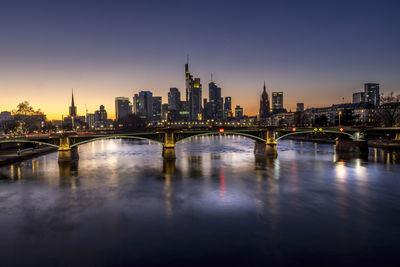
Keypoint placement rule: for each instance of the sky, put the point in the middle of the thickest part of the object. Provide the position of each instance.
(316, 52)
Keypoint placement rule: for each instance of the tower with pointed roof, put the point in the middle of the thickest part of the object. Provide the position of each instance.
(72, 108)
(265, 110)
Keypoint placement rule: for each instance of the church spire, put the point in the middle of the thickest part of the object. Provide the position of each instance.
(72, 102)
(72, 108)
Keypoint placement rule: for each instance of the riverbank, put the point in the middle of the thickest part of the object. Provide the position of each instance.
(13, 156)
(389, 145)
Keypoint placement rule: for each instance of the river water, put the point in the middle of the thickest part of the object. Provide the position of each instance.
(121, 204)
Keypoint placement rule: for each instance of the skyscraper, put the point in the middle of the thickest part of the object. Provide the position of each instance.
(156, 108)
(277, 102)
(146, 105)
(371, 91)
(122, 107)
(228, 107)
(216, 101)
(174, 99)
(193, 95)
(265, 110)
(72, 108)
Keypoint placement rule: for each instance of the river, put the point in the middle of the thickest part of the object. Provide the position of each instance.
(121, 204)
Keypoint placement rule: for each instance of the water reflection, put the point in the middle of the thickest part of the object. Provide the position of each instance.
(68, 168)
(169, 166)
(216, 197)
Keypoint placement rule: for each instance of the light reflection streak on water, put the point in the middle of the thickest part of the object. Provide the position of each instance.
(19, 172)
(222, 185)
(168, 192)
(341, 171)
(360, 170)
(12, 171)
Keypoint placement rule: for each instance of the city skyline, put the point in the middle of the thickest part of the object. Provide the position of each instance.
(106, 50)
(81, 109)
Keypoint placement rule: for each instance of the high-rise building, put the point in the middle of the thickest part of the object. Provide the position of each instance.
(122, 108)
(146, 105)
(72, 108)
(371, 91)
(135, 104)
(359, 97)
(90, 120)
(277, 102)
(174, 99)
(265, 109)
(216, 101)
(100, 117)
(156, 108)
(164, 111)
(300, 107)
(193, 95)
(228, 107)
(238, 112)
(184, 111)
(207, 110)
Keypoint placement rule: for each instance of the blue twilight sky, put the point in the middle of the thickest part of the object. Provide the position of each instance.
(316, 52)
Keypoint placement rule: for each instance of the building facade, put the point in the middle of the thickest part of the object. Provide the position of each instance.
(145, 109)
(193, 95)
(299, 107)
(156, 108)
(100, 117)
(358, 97)
(174, 99)
(216, 101)
(122, 108)
(277, 102)
(228, 107)
(238, 112)
(372, 94)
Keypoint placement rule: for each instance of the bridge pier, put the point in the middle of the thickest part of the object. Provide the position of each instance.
(351, 146)
(169, 146)
(267, 148)
(68, 155)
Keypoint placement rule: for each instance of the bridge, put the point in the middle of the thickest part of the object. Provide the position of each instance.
(266, 138)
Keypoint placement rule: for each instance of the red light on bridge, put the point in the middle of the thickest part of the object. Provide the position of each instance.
(293, 129)
(221, 130)
(341, 129)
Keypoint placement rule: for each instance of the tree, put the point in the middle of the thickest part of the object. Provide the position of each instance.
(388, 112)
(25, 109)
(27, 119)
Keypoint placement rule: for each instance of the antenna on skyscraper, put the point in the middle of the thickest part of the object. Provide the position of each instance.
(211, 77)
(187, 59)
